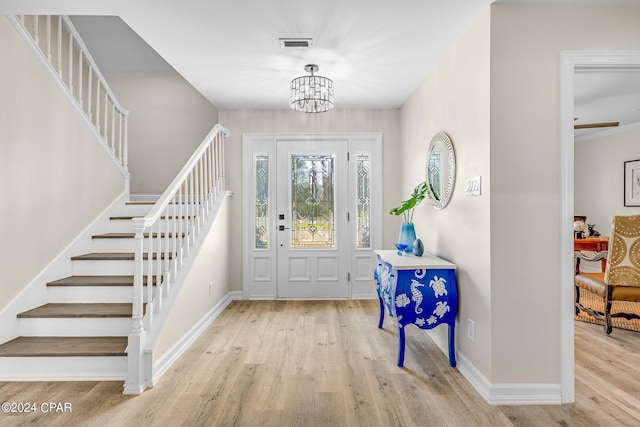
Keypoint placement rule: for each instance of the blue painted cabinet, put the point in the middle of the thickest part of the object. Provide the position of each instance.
(418, 291)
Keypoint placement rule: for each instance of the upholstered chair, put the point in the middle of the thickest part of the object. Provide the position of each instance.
(621, 279)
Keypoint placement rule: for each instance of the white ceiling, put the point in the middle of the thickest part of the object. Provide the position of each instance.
(610, 95)
(376, 52)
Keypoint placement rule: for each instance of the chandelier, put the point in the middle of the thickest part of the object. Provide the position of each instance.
(311, 94)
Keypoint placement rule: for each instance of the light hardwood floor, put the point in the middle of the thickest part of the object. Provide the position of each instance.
(325, 363)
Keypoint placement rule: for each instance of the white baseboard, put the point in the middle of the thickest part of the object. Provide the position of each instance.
(501, 394)
(161, 366)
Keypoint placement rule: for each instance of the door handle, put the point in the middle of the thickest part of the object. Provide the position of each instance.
(282, 228)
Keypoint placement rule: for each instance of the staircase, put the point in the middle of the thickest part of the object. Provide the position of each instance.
(82, 330)
(101, 319)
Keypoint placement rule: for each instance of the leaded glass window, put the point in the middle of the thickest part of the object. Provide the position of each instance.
(312, 201)
(262, 202)
(363, 201)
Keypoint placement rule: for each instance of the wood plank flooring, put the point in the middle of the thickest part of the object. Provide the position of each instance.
(325, 363)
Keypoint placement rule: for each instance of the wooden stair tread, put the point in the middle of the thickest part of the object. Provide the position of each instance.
(115, 256)
(97, 281)
(77, 310)
(64, 346)
(130, 235)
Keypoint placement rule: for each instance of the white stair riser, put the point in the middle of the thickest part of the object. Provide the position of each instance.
(143, 209)
(89, 294)
(75, 327)
(132, 210)
(126, 226)
(125, 244)
(100, 267)
(76, 368)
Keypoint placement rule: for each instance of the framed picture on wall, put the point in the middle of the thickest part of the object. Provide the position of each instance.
(632, 183)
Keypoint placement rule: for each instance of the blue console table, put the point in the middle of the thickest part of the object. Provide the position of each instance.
(417, 291)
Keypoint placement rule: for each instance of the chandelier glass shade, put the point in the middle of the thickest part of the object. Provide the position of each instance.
(311, 94)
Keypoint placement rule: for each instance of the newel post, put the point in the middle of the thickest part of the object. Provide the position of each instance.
(136, 383)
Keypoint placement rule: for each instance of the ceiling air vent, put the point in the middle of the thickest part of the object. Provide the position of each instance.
(299, 43)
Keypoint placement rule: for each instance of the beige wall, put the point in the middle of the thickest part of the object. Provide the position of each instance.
(505, 73)
(168, 120)
(197, 298)
(599, 177)
(526, 41)
(54, 178)
(455, 99)
(246, 121)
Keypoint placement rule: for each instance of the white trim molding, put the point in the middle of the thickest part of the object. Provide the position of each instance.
(570, 61)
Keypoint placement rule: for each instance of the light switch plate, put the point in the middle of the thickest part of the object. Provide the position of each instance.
(472, 186)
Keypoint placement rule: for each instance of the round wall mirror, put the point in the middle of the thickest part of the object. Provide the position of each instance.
(440, 170)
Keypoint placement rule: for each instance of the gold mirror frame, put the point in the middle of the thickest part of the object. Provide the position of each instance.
(438, 169)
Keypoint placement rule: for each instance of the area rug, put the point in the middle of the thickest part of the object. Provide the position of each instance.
(593, 301)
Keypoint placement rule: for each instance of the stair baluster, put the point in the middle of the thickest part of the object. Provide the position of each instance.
(70, 52)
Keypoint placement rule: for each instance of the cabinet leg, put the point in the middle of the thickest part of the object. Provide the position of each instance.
(452, 345)
(381, 313)
(400, 347)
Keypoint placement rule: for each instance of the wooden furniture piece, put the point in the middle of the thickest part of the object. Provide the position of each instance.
(621, 279)
(594, 244)
(418, 291)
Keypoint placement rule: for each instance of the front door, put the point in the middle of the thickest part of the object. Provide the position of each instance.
(312, 209)
(312, 215)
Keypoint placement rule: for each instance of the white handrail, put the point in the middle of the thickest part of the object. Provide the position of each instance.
(163, 237)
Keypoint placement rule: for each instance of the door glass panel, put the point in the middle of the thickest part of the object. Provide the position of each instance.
(363, 202)
(262, 202)
(312, 201)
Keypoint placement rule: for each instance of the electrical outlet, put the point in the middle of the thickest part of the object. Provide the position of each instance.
(210, 286)
(471, 330)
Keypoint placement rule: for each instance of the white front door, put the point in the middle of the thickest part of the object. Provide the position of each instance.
(312, 214)
(312, 208)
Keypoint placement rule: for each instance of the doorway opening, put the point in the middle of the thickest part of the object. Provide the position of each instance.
(570, 61)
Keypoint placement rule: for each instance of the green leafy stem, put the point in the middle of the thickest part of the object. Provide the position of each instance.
(406, 207)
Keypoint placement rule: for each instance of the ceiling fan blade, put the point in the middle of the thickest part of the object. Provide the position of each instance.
(597, 125)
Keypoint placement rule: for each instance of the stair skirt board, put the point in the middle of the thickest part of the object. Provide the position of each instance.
(64, 368)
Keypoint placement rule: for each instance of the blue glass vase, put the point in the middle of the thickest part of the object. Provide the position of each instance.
(407, 235)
